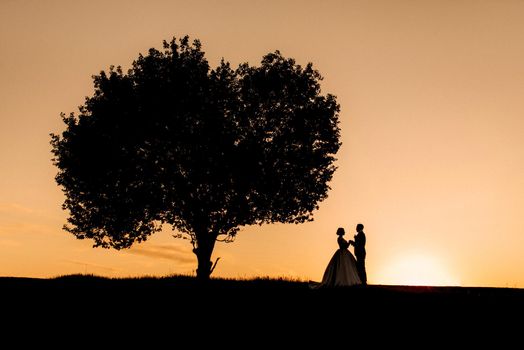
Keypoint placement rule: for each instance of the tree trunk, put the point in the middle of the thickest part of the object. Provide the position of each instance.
(203, 251)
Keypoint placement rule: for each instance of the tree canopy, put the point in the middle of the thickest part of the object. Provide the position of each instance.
(207, 151)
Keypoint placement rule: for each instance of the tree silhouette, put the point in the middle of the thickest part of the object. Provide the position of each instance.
(206, 151)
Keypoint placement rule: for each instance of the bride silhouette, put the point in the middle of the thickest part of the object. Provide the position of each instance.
(342, 268)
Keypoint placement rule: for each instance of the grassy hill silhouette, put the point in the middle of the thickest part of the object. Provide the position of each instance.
(263, 290)
(259, 307)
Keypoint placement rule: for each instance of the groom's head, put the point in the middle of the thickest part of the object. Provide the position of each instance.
(360, 227)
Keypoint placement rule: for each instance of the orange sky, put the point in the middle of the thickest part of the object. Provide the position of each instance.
(432, 160)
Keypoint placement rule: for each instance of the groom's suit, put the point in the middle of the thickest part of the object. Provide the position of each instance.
(360, 254)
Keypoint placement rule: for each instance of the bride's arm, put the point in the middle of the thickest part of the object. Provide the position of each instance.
(343, 243)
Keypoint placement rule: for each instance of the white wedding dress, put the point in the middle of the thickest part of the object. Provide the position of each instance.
(342, 268)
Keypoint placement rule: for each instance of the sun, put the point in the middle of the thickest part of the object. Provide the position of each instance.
(417, 270)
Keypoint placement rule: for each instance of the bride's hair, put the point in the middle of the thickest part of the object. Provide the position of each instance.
(340, 231)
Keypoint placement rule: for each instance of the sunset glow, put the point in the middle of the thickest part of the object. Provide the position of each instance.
(432, 131)
(417, 270)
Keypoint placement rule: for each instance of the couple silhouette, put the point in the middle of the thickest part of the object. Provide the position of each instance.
(343, 269)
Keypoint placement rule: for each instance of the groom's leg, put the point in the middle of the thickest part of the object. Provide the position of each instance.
(364, 275)
(361, 269)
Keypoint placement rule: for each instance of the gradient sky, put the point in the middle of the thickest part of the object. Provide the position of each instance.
(432, 120)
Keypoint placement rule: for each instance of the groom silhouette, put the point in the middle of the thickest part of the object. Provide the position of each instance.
(360, 253)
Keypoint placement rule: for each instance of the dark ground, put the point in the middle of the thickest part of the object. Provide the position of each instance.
(262, 310)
